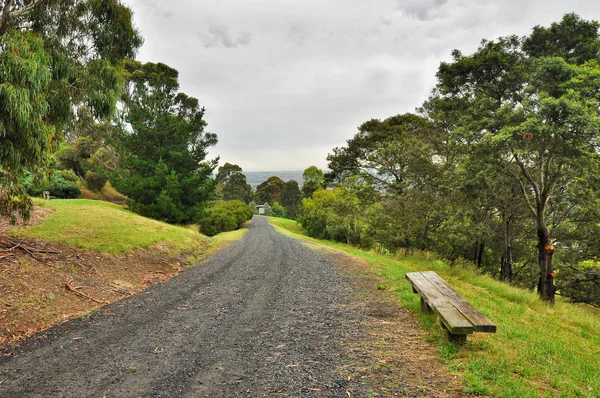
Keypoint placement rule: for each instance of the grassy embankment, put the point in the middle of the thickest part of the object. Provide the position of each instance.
(109, 228)
(538, 350)
(104, 250)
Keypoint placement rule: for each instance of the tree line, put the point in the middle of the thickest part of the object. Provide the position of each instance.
(499, 166)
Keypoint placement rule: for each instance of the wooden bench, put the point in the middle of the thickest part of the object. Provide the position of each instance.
(457, 316)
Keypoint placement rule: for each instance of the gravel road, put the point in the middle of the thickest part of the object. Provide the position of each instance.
(265, 317)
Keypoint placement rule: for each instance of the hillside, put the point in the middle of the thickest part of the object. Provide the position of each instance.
(538, 350)
(76, 255)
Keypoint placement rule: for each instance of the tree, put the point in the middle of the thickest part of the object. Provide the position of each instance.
(269, 191)
(291, 199)
(54, 56)
(313, 180)
(389, 152)
(535, 106)
(233, 184)
(161, 134)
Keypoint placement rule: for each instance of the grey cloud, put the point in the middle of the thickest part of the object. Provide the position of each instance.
(219, 36)
(421, 9)
(298, 34)
(318, 69)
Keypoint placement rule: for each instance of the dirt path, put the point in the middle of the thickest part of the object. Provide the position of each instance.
(266, 317)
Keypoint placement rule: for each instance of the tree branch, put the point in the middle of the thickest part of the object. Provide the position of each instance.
(7, 14)
(523, 190)
(4, 17)
(27, 9)
(587, 277)
(526, 173)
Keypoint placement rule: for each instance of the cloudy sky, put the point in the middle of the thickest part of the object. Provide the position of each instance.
(284, 82)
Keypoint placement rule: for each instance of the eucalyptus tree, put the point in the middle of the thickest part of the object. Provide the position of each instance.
(55, 55)
(313, 179)
(232, 183)
(533, 105)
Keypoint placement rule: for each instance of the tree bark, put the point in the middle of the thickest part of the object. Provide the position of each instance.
(506, 270)
(481, 251)
(546, 288)
(5, 17)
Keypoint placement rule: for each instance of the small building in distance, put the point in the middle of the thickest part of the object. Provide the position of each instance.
(261, 209)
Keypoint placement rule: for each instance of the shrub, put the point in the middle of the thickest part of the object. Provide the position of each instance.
(278, 210)
(253, 209)
(94, 180)
(56, 184)
(70, 175)
(222, 216)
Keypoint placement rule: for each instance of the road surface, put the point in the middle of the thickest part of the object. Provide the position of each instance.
(265, 317)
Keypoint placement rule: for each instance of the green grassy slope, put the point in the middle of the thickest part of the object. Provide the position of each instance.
(105, 227)
(538, 350)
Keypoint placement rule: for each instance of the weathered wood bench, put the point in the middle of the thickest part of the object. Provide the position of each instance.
(456, 314)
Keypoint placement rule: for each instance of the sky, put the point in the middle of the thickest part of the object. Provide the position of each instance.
(284, 82)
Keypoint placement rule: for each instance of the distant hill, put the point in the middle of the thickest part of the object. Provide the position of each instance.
(255, 178)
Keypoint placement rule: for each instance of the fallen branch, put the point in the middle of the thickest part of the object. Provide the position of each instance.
(19, 245)
(75, 289)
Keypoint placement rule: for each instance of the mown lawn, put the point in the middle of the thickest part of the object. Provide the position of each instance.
(538, 350)
(105, 227)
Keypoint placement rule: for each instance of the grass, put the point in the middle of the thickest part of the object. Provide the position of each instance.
(539, 350)
(105, 227)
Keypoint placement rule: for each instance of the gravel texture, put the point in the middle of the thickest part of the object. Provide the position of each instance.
(265, 317)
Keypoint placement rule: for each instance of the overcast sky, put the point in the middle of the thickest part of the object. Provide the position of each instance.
(284, 82)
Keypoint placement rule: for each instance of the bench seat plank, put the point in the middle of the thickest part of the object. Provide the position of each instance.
(477, 319)
(452, 318)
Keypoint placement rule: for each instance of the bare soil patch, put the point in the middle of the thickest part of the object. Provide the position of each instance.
(43, 284)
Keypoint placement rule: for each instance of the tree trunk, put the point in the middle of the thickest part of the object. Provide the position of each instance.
(481, 251)
(506, 271)
(546, 288)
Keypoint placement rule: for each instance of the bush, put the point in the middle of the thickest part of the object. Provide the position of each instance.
(222, 216)
(94, 180)
(70, 175)
(252, 206)
(56, 184)
(278, 210)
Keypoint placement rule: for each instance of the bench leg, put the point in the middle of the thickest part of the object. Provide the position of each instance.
(425, 307)
(460, 339)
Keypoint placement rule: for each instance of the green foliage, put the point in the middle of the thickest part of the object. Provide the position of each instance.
(587, 288)
(313, 180)
(56, 184)
(87, 153)
(291, 199)
(337, 215)
(502, 152)
(533, 111)
(54, 57)
(252, 207)
(269, 191)
(26, 136)
(223, 216)
(232, 183)
(161, 134)
(277, 210)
